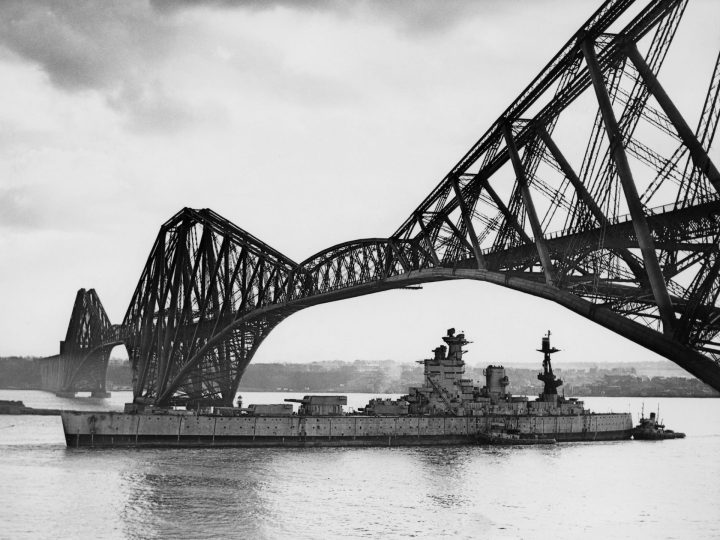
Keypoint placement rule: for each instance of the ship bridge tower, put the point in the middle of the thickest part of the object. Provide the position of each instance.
(455, 345)
(447, 367)
(547, 376)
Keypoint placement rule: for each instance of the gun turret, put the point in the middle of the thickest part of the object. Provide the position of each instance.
(320, 405)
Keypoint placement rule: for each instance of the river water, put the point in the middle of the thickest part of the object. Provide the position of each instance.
(624, 489)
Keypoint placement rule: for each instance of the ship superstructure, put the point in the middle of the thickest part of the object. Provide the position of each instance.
(447, 391)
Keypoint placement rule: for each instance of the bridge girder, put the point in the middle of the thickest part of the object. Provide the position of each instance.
(637, 210)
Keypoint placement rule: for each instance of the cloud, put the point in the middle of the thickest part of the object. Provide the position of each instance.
(421, 17)
(417, 17)
(17, 210)
(150, 108)
(85, 44)
(108, 47)
(136, 54)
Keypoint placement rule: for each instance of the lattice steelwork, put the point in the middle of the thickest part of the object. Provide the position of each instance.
(590, 190)
(202, 274)
(81, 365)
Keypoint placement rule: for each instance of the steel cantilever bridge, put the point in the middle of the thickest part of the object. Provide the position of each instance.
(623, 230)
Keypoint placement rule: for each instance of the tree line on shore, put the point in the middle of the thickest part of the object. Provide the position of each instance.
(391, 377)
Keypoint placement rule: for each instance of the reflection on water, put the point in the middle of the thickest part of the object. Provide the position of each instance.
(620, 489)
(443, 476)
(277, 493)
(188, 494)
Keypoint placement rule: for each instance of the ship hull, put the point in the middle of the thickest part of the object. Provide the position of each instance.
(656, 436)
(108, 429)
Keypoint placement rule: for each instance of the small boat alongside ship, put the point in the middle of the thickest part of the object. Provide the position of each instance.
(447, 409)
(650, 429)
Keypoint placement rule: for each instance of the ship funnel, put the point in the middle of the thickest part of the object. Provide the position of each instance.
(495, 380)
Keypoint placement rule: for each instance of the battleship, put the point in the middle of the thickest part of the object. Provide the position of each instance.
(447, 409)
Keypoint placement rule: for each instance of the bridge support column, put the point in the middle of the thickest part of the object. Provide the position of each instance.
(479, 259)
(642, 230)
(698, 154)
(529, 205)
(428, 239)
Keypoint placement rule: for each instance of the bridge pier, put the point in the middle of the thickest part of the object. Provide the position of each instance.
(102, 394)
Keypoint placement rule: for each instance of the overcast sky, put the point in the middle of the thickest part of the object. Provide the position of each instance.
(305, 123)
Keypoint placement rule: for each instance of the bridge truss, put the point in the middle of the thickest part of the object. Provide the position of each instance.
(82, 363)
(622, 229)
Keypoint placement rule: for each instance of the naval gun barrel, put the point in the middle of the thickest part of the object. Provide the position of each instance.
(295, 400)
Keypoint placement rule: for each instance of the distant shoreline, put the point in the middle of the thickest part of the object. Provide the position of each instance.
(336, 391)
(638, 379)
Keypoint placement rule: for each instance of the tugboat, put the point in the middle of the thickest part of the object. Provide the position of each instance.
(650, 429)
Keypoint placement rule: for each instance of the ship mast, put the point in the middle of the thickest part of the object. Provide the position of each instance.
(547, 376)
